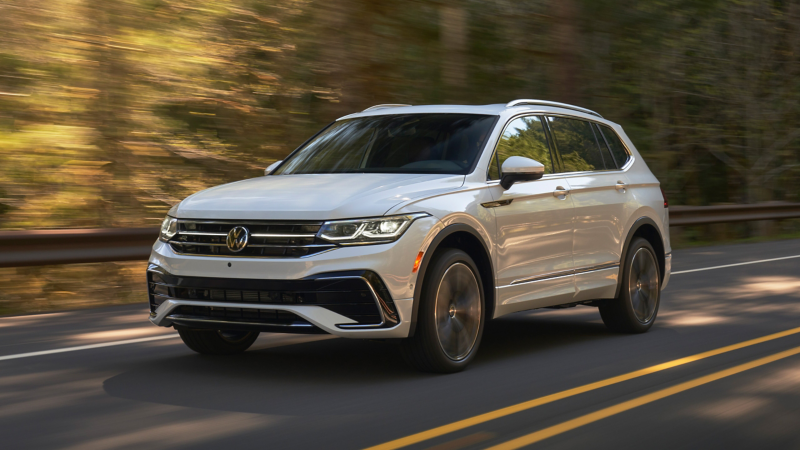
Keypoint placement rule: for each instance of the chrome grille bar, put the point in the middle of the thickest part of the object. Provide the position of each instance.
(259, 235)
(279, 239)
(197, 233)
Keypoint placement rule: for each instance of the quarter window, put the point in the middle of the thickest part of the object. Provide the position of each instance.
(577, 145)
(607, 158)
(615, 145)
(524, 136)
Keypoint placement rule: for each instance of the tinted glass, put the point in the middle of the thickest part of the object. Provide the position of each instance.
(607, 158)
(408, 143)
(615, 144)
(523, 137)
(577, 145)
(494, 171)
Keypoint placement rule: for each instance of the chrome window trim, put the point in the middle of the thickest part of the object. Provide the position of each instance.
(624, 145)
(623, 169)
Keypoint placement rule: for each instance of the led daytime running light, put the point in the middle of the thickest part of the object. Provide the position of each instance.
(366, 231)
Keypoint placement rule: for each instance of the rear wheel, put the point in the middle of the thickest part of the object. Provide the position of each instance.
(636, 307)
(450, 318)
(217, 342)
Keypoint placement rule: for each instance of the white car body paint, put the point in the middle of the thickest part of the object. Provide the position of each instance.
(545, 250)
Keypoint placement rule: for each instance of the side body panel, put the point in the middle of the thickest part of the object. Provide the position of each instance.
(601, 212)
(533, 261)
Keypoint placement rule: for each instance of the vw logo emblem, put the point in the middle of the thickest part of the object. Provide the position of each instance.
(237, 239)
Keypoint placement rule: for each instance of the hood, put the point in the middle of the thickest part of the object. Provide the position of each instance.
(313, 196)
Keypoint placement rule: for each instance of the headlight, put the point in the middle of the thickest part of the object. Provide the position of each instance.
(367, 231)
(169, 227)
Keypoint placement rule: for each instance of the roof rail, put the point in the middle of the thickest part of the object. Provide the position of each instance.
(386, 105)
(526, 101)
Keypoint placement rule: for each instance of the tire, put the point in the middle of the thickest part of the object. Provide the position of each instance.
(636, 307)
(217, 342)
(451, 315)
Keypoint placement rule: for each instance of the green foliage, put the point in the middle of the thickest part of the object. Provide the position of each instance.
(113, 111)
(110, 112)
(525, 137)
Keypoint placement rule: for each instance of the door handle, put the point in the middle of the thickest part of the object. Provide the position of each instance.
(561, 193)
(621, 187)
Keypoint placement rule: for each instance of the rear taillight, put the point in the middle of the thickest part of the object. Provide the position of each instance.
(664, 196)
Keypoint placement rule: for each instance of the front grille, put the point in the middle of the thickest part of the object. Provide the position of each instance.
(267, 239)
(262, 316)
(348, 294)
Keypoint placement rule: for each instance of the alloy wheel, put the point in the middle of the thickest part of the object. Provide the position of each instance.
(458, 311)
(643, 285)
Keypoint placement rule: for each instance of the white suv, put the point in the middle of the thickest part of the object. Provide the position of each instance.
(420, 223)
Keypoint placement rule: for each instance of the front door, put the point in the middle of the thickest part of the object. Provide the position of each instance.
(533, 258)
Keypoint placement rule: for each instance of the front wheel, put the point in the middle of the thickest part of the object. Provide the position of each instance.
(217, 342)
(636, 307)
(450, 318)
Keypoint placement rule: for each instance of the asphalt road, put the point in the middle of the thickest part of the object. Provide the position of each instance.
(301, 392)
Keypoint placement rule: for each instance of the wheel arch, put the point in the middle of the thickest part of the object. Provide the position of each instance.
(646, 228)
(466, 238)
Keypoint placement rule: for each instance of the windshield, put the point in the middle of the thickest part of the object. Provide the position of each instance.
(407, 143)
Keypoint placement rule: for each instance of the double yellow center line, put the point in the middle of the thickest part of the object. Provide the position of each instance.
(583, 420)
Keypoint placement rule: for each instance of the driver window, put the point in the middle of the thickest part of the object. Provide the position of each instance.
(523, 137)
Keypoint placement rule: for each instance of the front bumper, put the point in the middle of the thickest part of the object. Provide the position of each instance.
(330, 302)
(391, 265)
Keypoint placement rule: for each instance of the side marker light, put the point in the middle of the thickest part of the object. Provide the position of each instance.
(417, 262)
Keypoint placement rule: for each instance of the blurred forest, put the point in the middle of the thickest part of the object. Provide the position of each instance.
(113, 111)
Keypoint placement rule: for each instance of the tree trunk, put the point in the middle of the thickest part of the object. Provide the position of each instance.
(566, 41)
(453, 35)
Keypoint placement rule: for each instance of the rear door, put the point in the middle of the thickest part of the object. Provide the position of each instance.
(601, 200)
(533, 261)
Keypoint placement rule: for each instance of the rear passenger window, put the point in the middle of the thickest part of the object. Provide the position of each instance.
(615, 145)
(522, 137)
(577, 145)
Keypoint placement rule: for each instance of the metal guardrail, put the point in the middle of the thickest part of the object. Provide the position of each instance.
(704, 215)
(47, 247)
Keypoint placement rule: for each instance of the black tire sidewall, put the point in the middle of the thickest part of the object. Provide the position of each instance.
(210, 342)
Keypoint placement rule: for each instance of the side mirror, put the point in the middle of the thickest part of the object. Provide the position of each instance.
(518, 168)
(272, 167)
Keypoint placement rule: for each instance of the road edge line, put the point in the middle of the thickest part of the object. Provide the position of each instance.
(86, 347)
(735, 264)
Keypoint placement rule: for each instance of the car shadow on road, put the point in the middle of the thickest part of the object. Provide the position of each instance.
(341, 376)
